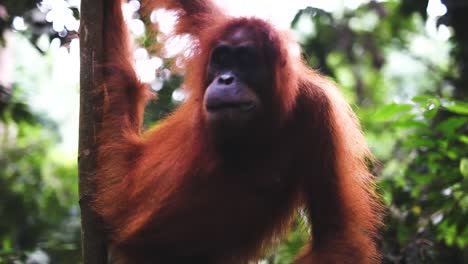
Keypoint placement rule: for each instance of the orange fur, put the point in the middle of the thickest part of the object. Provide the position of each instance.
(167, 195)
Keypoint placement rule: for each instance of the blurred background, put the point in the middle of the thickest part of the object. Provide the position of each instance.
(402, 64)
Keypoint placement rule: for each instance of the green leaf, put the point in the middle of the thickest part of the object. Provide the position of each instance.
(391, 110)
(461, 242)
(410, 124)
(408, 120)
(456, 107)
(450, 234)
(430, 113)
(7, 245)
(463, 201)
(463, 139)
(418, 142)
(453, 155)
(403, 233)
(464, 167)
(451, 124)
(430, 105)
(422, 99)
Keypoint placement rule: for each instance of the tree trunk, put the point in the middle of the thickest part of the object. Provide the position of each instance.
(93, 239)
(457, 18)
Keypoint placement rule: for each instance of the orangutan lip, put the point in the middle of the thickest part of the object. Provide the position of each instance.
(219, 106)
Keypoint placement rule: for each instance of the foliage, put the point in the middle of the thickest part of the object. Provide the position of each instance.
(164, 103)
(293, 244)
(38, 193)
(427, 191)
(35, 22)
(414, 123)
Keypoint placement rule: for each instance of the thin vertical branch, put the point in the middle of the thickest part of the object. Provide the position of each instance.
(94, 248)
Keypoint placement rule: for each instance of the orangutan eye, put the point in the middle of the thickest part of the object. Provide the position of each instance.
(221, 56)
(247, 56)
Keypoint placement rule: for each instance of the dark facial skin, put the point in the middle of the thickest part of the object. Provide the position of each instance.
(237, 73)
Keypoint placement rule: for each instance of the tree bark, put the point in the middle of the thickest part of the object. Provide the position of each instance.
(93, 239)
